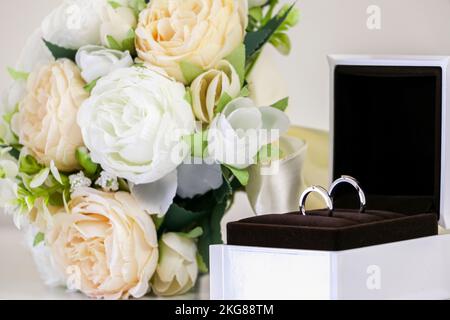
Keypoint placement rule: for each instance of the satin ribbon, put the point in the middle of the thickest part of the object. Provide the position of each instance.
(279, 192)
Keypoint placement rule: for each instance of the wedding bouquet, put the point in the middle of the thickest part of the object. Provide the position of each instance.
(127, 131)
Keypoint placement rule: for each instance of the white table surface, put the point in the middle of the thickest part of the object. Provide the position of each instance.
(19, 279)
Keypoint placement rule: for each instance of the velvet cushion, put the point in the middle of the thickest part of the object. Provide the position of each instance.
(346, 229)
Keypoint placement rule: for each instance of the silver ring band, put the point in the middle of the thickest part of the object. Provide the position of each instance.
(315, 189)
(355, 184)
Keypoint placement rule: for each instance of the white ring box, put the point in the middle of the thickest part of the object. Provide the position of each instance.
(402, 102)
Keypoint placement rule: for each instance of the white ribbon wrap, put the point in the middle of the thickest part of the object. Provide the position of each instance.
(278, 192)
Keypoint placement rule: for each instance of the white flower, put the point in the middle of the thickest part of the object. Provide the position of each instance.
(8, 184)
(134, 123)
(105, 245)
(43, 258)
(78, 181)
(156, 197)
(197, 178)
(200, 32)
(177, 269)
(9, 105)
(107, 182)
(8, 193)
(9, 168)
(241, 130)
(116, 23)
(97, 61)
(208, 88)
(75, 23)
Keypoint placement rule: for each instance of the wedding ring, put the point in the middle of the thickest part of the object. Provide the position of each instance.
(315, 189)
(355, 184)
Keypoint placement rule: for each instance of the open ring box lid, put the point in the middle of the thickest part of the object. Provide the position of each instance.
(388, 130)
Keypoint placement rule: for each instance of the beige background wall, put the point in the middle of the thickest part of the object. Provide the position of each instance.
(327, 26)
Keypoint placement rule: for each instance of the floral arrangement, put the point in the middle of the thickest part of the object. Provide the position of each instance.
(126, 132)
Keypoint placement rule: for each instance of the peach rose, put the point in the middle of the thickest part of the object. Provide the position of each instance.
(47, 119)
(105, 244)
(200, 32)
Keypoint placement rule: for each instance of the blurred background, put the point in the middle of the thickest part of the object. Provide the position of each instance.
(326, 27)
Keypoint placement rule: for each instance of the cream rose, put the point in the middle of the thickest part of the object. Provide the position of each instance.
(105, 245)
(208, 88)
(46, 121)
(177, 269)
(200, 32)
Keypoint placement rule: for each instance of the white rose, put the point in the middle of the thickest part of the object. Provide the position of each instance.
(116, 23)
(134, 123)
(201, 32)
(96, 61)
(241, 130)
(75, 23)
(34, 53)
(43, 258)
(46, 121)
(177, 268)
(105, 245)
(208, 88)
(198, 177)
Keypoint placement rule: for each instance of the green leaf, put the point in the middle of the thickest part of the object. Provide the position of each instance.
(85, 161)
(38, 238)
(241, 174)
(56, 199)
(158, 221)
(7, 117)
(137, 5)
(223, 101)
(255, 40)
(128, 44)
(224, 191)
(211, 231)
(114, 4)
(256, 13)
(90, 86)
(29, 165)
(202, 267)
(269, 153)
(237, 60)
(244, 92)
(193, 234)
(123, 185)
(282, 104)
(198, 143)
(179, 218)
(292, 19)
(18, 75)
(190, 71)
(282, 43)
(188, 96)
(60, 52)
(113, 44)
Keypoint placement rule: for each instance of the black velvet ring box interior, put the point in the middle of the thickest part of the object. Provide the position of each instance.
(387, 134)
